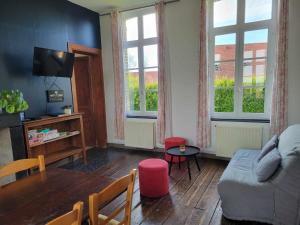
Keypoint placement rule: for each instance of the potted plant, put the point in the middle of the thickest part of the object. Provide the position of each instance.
(12, 101)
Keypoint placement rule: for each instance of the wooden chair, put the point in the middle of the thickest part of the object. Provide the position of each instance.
(99, 200)
(71, 218)
(23, 164)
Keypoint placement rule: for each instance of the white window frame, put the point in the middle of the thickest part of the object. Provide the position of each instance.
(140, 43)
(239, 30)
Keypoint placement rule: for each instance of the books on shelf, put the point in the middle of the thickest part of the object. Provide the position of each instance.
(37, 137)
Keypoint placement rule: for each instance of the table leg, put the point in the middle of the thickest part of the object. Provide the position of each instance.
(188, 166)
(179, 161)
(197, 162)
(170, 165)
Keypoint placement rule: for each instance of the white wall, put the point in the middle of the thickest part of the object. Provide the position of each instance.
(182, 31)
(293, 63)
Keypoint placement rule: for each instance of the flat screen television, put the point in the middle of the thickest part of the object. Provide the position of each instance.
(48, 62)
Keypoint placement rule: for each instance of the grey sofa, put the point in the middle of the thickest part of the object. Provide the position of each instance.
(276, 201)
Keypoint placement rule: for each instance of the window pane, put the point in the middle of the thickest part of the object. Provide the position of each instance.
(224, 73)
(225, 47)
(150, 56)
(256, 42)
(225, 13)
(132, 29)
(133, 95)
(261, 53)
(149, 24)
(253, 100)
(132, 58)
(224, 86)
(151, 88)
(254, 72)
(248, 54)
(257, 10)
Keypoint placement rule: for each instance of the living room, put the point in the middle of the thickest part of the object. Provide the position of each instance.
(189, 106)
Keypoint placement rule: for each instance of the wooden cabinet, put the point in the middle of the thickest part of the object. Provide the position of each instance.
(70, 144)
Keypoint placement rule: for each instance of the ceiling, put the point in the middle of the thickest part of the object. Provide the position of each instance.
(106, 5)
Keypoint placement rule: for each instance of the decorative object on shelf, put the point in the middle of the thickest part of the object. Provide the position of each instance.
(12, 102)
(182, 148)
(67, 109)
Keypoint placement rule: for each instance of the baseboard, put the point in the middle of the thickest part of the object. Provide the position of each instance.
(122, 146)
(204, 155)
(213, 156)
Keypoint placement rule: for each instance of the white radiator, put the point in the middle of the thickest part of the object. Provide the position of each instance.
(139, 133)
(231, 137)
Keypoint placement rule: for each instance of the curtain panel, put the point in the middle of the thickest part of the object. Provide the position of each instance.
(280, 82)
(162, 81)
(118, 74)
(203, 125)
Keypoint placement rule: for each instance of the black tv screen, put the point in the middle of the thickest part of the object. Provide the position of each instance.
(48, 62)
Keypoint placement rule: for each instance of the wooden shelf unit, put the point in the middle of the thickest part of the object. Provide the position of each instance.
(61, 147)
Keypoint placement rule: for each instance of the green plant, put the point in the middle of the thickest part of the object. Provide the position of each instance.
(253, 98)
(13, 101)
(134, 94)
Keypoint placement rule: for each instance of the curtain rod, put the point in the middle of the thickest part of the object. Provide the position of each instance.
(141, 7)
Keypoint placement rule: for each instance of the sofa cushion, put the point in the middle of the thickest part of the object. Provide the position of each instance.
(271, 144)
(289, 140)
(267, 166)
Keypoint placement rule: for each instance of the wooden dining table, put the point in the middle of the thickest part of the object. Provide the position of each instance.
(41, 197)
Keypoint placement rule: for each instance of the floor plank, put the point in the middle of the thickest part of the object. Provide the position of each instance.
(189, 202)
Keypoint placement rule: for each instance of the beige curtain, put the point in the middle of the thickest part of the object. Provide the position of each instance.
(118, 74)
(203, 126)
(162, 80)
(280, 84)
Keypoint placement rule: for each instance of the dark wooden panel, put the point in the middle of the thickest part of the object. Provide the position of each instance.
(97, 88)
(85, 98)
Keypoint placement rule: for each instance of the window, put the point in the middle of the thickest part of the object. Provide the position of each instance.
(140, 62)
(241, 50)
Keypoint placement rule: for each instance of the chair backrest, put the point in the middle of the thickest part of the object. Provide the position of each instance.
(23, 164)
(71, 218)
(99, 200)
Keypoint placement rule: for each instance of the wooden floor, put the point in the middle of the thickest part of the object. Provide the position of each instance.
(190, 202)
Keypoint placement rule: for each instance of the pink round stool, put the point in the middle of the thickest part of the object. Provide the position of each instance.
(173, 142)
(153, 178)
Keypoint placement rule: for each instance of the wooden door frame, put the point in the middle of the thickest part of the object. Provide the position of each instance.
(96, 73)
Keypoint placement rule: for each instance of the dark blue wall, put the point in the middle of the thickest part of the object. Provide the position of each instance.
(25, 24)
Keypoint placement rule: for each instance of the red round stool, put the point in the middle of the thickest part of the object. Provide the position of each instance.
(153, 178)
(173, 142)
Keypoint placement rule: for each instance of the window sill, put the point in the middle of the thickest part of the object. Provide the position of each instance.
(141, 117)
(242, 120)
